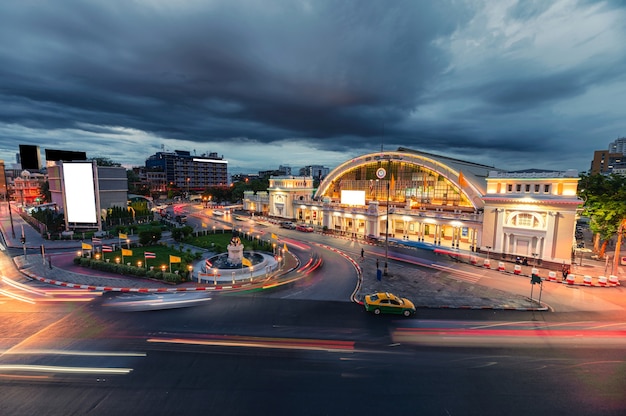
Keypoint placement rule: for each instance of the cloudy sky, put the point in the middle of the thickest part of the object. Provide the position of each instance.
(511, 84)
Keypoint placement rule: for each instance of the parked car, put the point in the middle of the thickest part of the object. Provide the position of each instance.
(304, 228)
(385, 302)
(288, 225)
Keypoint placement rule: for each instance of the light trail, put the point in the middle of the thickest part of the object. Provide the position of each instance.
(76, 353)
(17, 297)
(62, 369)
(269, 343)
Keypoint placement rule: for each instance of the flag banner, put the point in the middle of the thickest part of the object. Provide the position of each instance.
(203, 225)
(274, 236)
(174, 259)
(127, 252)
(149, 255)
(96, 240)
(86, 246)
(123, 236)
(462, 180)
(107, 249)
(285, 247)
(208, 264)
(246, 262)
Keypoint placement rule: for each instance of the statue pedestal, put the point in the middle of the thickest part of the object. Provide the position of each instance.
(235, 251)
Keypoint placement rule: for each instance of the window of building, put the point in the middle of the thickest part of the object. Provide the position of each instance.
(546, 188)
(537, 187)
(524, 220)
(518, 188)
(527, 187)
(510, 187)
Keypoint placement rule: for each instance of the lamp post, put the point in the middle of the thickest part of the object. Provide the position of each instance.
(387, 233)
(6, 196)
(535, 258)
(380, 174)
(488, 248)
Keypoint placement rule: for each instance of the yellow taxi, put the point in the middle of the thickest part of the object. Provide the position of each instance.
(384, 302)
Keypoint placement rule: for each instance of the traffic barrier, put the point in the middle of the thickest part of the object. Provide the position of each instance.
(517, 269)
(500, 266)
(613, 281)
(571, 278)
(602, 280)
(473, 260)
(534, 270)
(587, 280)
(487, 263)
(552, 276)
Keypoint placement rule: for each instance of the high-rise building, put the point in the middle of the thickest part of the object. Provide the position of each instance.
(316, 171)
(618, 146)
(190, 172)
(604, 161)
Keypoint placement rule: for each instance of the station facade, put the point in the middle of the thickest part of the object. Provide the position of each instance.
(416, 196)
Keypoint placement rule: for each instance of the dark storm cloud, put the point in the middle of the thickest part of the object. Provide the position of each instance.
(345, 77)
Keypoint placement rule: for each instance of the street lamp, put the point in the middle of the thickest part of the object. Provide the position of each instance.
(488, 248)
(535, 258)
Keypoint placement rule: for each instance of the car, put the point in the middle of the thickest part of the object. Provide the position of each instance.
(288, 225)
(181, 219)
(304, 228)
(385, 302)
(372, 239)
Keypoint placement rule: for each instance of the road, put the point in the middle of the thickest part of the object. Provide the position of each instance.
(243, 354)
(304, 349)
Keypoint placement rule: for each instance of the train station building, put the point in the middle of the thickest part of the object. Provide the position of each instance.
(423, 198)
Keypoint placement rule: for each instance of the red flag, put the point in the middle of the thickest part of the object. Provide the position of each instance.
(462, 180)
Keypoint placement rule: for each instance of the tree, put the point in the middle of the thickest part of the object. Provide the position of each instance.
(150, 236)
(604, 198)
(105, 161)
(45, 191)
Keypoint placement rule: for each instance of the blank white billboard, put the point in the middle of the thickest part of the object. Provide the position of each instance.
(353, 197)
(80, 193)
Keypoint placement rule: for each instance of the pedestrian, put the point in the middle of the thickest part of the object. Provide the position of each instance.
(377, 264)
(362, 253)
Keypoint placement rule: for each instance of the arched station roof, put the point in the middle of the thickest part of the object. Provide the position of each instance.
(468, 178)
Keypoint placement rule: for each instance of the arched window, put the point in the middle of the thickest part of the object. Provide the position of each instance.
(525, 220)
